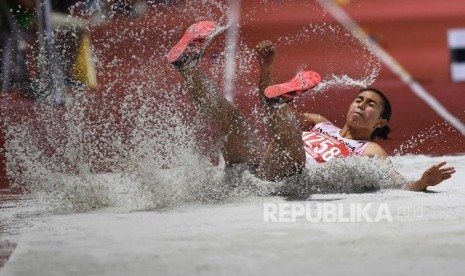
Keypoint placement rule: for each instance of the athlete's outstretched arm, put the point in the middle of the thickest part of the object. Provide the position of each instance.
(432, 177)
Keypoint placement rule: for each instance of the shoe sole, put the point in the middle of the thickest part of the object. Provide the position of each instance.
(301, 83)
(202, 30)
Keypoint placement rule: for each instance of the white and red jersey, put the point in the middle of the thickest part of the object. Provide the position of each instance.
(323, 142)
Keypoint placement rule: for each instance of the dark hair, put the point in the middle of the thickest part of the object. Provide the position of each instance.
(381, 132)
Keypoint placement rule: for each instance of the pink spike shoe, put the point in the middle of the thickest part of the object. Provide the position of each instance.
(188, 52)
(281, 94)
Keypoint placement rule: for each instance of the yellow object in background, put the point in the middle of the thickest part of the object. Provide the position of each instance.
(84, 67)
(342, 2)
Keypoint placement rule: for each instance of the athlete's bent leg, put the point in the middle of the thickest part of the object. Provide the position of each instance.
(286, 155)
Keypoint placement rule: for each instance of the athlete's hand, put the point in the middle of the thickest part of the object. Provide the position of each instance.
(266, 53)
(433, 176)
(436, 174)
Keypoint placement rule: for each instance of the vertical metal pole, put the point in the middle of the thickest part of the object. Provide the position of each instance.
(6, 64)
(41, 59)
(51, 74)
(232, 38)
(9, 48)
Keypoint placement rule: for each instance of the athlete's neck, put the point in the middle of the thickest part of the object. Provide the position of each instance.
(355, 133)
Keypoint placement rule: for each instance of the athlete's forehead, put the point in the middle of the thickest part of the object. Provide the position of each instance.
(370, 96)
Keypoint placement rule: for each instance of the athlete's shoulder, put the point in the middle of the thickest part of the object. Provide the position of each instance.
(375, 150)
(309, 120)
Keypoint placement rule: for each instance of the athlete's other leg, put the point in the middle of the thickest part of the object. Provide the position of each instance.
(239, 142)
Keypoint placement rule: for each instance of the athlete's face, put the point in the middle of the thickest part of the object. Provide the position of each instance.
(365, 111)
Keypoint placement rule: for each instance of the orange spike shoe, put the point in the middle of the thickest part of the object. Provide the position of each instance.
(188, 52)
(279, 95)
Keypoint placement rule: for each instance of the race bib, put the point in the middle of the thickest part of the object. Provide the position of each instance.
(323, 147)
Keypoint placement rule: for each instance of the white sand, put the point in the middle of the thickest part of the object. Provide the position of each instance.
(232, 238)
